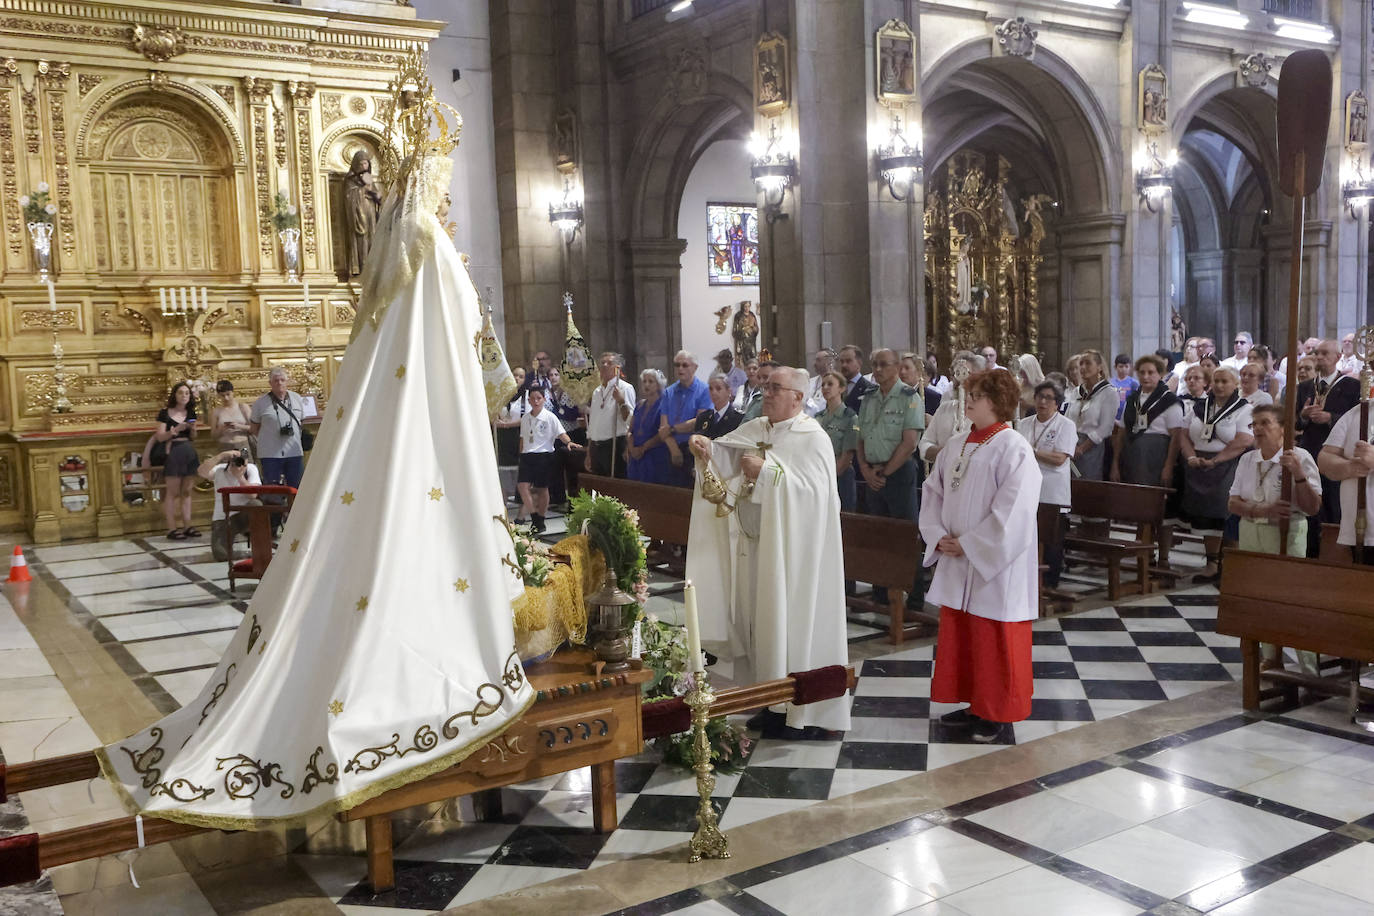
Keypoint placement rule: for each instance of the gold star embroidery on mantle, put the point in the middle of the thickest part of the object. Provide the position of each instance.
(295, 544)
(436, 494)
(335, 708)
(347, 498)
(461, 585)
(338, 414)
(362, 603)
(401, 371)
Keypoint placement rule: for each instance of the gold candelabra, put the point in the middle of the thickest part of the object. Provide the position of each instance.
(707, 842)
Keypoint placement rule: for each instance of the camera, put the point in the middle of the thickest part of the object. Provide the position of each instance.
(287, 430)
(240, 460)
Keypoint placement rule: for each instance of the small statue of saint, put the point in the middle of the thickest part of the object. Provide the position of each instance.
(362, 201)
(745, 331)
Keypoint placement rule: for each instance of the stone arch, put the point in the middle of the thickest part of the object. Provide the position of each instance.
(1052, 103)
(367, 129)
(668, 146)
(195, 98)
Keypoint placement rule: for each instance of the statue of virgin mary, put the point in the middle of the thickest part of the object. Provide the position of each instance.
(379, 647)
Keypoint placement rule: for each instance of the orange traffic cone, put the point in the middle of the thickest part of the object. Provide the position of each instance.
(19, 567)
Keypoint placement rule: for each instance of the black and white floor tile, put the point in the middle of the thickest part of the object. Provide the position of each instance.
(1250, 815)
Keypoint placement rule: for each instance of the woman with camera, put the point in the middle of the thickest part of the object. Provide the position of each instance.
(176, 425)
(230, 468)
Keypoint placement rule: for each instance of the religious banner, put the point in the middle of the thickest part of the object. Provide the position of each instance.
(497, 379)
(579, 374)
(732, 251)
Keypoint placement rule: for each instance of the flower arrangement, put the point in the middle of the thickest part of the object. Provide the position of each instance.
(532, 563)
(37, 207)
(729, 746)
(614, 530)
(663, 648)
(284, 214)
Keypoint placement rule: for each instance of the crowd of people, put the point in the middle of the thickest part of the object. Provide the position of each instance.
(1210, 429)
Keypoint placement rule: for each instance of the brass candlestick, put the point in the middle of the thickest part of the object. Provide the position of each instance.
(707, 842)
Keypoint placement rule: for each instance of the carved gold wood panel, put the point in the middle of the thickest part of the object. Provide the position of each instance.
(102, 226)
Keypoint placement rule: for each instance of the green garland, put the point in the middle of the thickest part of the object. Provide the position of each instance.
(614, 530)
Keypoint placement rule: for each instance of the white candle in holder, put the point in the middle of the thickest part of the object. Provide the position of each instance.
(204, 299)
(694, 658)
(162, 299)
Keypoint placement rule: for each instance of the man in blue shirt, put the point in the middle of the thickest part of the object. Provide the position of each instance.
(1124, 383)
(683, 400)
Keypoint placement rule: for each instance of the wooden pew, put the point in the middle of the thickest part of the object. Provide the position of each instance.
(887, 553)
(1131, 504)
(882, 551)
(1302, 604)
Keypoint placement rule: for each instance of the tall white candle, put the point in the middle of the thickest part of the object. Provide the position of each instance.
(694, 659)
(52, 297)
(162, 299)
(204, 299)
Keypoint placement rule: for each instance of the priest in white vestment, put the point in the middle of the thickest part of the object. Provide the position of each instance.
(770, 574)
(978, 522)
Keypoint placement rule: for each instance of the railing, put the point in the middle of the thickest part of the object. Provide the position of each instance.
(1298, 9)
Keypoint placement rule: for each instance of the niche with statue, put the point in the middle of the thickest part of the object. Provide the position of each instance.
(982, 250)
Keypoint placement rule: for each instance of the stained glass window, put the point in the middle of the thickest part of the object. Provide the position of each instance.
(732, 234)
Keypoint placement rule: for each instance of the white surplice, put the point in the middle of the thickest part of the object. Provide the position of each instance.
(380, 645)
(993, 514)
(770, 575)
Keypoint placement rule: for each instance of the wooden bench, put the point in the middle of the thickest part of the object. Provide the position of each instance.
(883, 551)
(1130, 503)
(1302, 604)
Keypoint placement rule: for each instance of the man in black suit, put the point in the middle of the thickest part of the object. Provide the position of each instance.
(722, 418)
(1321, 402)
(850, 363)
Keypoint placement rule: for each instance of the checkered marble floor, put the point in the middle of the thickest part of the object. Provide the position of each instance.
(1249, 815)
(163, 611)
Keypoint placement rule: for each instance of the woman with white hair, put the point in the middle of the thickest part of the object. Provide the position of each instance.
(1028, 372)
(646, 455)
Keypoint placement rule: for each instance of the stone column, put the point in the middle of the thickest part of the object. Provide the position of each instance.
(656, 275)
(1090, 262)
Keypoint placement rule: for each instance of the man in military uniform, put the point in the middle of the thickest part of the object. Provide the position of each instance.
(891, 418)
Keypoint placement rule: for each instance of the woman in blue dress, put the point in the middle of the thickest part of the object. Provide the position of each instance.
(646, 454)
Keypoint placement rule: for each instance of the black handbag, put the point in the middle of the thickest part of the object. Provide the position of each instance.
(157, 455)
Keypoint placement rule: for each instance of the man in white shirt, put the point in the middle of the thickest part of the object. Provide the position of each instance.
(608, 418)
(229, 468)
(1349, 458)
(1241, 347)
(989, 355)
(823, 362)
(1349, 363)
(1306, 348)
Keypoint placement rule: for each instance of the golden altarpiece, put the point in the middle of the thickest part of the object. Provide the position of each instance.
(165, 132)
(982, 251)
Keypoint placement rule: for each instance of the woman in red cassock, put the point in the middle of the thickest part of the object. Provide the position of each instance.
(978, 521)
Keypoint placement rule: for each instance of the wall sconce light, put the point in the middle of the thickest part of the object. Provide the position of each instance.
(566, 213)
(774, 170)
(900, 160)
(1154, 175)
(1357, 190)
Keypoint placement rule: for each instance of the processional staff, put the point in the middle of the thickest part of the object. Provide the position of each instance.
(1304, 116)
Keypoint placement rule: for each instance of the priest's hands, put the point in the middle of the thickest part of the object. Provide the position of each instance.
(701, 447)
(949, 545)
(751, 465)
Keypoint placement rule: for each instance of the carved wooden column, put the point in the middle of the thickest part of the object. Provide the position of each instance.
(13, 258)
(302, 96)
(44, 526)
(259, 91)
(108, 490)
(54, 78)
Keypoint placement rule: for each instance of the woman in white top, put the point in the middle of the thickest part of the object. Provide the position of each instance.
(1094, 413)
(1071, 389)
(1251, 378)
(1146, 444)
(1257, 497)
(1271, 380)
(1053, 439)
(1190, 358)
(1218, 434)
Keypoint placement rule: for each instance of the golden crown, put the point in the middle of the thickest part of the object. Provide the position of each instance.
(420, 124)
